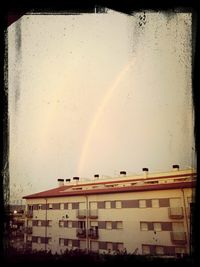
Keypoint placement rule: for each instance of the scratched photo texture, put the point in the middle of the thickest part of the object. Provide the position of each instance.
(94, 97)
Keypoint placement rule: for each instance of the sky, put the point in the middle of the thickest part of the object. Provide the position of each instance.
(97, 94)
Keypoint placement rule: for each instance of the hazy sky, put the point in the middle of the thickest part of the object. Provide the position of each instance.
(98, 93)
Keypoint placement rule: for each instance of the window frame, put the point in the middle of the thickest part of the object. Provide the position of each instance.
(142, 201)
(143, 249)
(159, 229)
(107, 223)
(118, 202)
(119, 222)
(107, 204)
(157, 203)
(144, 229)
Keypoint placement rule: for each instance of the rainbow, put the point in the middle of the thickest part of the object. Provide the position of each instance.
(98, 114)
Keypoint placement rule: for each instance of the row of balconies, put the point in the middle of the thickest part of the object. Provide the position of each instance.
(80, 232)
(29, 230)
(178, 238)
(81, 214)
(91, 233)
(174, 213)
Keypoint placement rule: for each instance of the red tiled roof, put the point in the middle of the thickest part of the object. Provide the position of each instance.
(60, 191)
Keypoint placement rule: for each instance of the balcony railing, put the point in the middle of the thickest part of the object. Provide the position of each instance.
(29, 214)
(93, 234)
(81, 233)
(81, 214)
(28, 244)
(29, 230)
(175, 212)
(178, 237)
(93, 214)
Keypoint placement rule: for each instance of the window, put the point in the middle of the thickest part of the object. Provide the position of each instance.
(144, 226)
(77, 188)
(155, 203)
(69, 224)
(93, 205)
(30, 207)
(151, 182)
(180, 250)
(29, 238)
(61, 241)
(82, 206)
(81, 224)
(120, 246)
(145, 250)
(119, 225)
(62, 206)
(93, 223)
(29, 223)
(39, 240)
(107, 204)
(50, 206)
(50, 223)
(39, 223)
(50, 241)
(69, 206)
(175, 202)
(69, 243)
(157, 226)
(94, 246)
(109, 246)
(178, 227)
(39, 206)
(108, 225)
(61, 223)
(82, 244)
(159, 250)
(142, 203)
(118, 204)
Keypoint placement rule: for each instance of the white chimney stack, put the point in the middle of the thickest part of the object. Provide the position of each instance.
(175, 167)
(146, 171)
(122, 173)
(60, 182)
(76, 179)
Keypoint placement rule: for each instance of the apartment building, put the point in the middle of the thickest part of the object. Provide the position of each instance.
(145, 214)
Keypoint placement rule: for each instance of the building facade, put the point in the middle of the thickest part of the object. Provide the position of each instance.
(16, 226)
(143, 214)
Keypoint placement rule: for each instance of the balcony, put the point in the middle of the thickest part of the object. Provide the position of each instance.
(81, 233)
(29, 230)
(178, 238)
(28, 244)
(81, 214)
(93, 214)
(29, 214)
(175, 213)
(93, 234)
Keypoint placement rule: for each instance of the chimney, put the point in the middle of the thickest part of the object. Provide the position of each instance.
(122, 173)
(76, 179)
(96, 176)
(146, 171)
(60, 182)
(175, 167)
